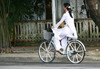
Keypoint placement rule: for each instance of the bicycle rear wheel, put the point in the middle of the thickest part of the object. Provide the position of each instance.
(75, 52)
(46, 53)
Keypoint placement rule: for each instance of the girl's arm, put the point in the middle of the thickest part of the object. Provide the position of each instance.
(62, 19)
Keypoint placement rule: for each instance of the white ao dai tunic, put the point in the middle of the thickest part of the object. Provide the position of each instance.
(66, 31)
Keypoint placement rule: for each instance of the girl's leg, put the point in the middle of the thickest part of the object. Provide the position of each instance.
(57, 43)
(64, 43)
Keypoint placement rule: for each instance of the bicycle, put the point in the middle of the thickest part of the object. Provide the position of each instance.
(75, 49)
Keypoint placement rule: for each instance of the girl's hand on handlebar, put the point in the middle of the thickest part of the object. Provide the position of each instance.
(68, 25)
(52, 27)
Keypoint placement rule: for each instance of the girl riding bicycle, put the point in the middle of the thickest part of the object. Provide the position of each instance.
(67, 31)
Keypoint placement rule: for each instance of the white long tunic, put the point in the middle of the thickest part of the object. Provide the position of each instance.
(69, 31)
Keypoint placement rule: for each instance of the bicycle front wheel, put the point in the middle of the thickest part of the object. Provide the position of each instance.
(75, 52)
(46, 53)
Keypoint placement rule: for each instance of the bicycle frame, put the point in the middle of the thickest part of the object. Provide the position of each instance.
(52, 41)
(68, 41)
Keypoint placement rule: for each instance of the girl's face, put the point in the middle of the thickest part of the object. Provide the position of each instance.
(64, 8)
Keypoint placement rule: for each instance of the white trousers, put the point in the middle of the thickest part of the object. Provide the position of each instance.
(63, 42)
(61, 34)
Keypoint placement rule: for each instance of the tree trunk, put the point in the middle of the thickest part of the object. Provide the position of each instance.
(94, 10)
(5, 39)
(0, 37)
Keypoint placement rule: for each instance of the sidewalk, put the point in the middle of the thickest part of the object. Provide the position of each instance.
(30, 54)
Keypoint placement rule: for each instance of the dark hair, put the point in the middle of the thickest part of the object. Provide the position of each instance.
(67, 5)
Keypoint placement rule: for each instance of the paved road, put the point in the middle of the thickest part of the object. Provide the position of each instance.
(53, 65)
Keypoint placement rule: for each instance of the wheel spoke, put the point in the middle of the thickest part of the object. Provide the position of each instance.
(78, 47)
(45, 52)
(45, 45)
(49, 46)
(79, 51)
(51, 53)
(79, 55)
(72, 48)
(72, 45)
(49, 56)
(75, 46)
(43, 55)
(43, 48)
(46, 57)
(76, 53)
(73, 57)
(50, 49)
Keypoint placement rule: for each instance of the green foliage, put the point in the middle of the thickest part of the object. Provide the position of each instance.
(24, 10)
(19, 10)
(39, 7)
(3, 9)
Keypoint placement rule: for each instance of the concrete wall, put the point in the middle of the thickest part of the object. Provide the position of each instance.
(76, 7)
(59, 8)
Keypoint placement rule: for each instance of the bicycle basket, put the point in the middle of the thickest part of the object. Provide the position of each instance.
(49, 29)
(47, 35)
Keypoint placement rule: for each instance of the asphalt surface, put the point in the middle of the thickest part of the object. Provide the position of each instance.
(53, 65)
